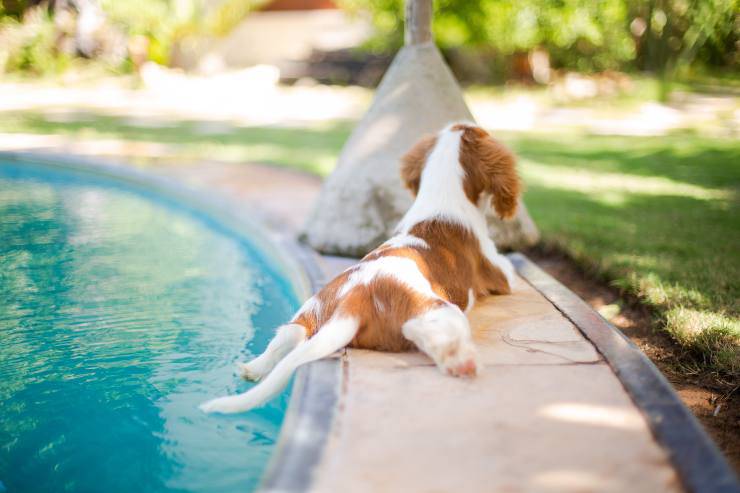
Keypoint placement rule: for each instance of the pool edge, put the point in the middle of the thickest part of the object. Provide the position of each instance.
(315, 395)
(313, 405)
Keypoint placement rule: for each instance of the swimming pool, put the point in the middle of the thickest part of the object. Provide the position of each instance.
(120, 312)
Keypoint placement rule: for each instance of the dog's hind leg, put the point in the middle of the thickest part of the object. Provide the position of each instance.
(444, 335)
(334, 335)
(287, 337)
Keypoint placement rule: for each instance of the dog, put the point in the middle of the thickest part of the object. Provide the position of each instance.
(412, 292)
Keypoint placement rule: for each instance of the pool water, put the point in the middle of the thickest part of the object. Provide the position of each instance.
(120, 312)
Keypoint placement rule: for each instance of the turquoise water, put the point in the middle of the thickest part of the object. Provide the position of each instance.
(119, 313)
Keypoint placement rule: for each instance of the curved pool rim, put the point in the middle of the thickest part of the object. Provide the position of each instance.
(313, 401)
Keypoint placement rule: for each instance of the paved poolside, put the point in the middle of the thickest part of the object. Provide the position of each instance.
(546, 414)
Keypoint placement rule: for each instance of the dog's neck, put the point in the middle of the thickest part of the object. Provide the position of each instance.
(441, 195)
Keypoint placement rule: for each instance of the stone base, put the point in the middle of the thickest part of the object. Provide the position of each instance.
(363, 199)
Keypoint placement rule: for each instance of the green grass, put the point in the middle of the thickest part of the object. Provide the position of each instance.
(656, 216)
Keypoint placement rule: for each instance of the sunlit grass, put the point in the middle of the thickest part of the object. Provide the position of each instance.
(601, 184)
(656, 216)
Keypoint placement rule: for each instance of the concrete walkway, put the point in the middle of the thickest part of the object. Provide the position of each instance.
(546, 414)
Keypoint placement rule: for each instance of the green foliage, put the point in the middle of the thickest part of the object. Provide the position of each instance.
(29, 35)
(30, 46)
(666, 37)
(161, 22)
(581, 34)
(675, 36)
(15, 8)
(578, 34)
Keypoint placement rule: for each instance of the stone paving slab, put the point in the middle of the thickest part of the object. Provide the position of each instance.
(545, 414)
(509, 431)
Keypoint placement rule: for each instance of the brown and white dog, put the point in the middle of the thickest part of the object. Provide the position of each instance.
(413, 290)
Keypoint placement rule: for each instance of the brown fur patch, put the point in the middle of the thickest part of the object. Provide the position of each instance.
(453, 263)
(328, 297)
(456, 263)
(489, 167)
(383, 306)
(412, 163)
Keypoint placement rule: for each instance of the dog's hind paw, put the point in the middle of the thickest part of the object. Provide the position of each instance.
(468, 368)
(462, 363)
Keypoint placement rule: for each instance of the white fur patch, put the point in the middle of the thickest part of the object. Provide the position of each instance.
(286, 338)
(471, 300)
(405, 240)
(311, 305)
(401, 269)
(444, 335)
(441, 191)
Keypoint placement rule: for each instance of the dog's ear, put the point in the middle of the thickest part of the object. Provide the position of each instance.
(496, 169)
(412, 163)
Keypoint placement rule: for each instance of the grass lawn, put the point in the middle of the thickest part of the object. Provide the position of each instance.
(656, 216)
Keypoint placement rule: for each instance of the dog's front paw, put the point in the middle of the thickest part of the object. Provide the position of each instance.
(223, 405)
(250, 371)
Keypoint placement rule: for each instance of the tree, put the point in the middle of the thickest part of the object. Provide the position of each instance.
(657, 35)
(673, 35)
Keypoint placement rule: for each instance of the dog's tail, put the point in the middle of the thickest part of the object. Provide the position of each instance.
(334, 335)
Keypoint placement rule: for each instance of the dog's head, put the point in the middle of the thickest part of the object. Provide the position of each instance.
(489, 167)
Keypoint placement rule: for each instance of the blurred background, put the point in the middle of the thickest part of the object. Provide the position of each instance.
(537, 42)
(625, 114)
(635, 67)
(189, 70)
